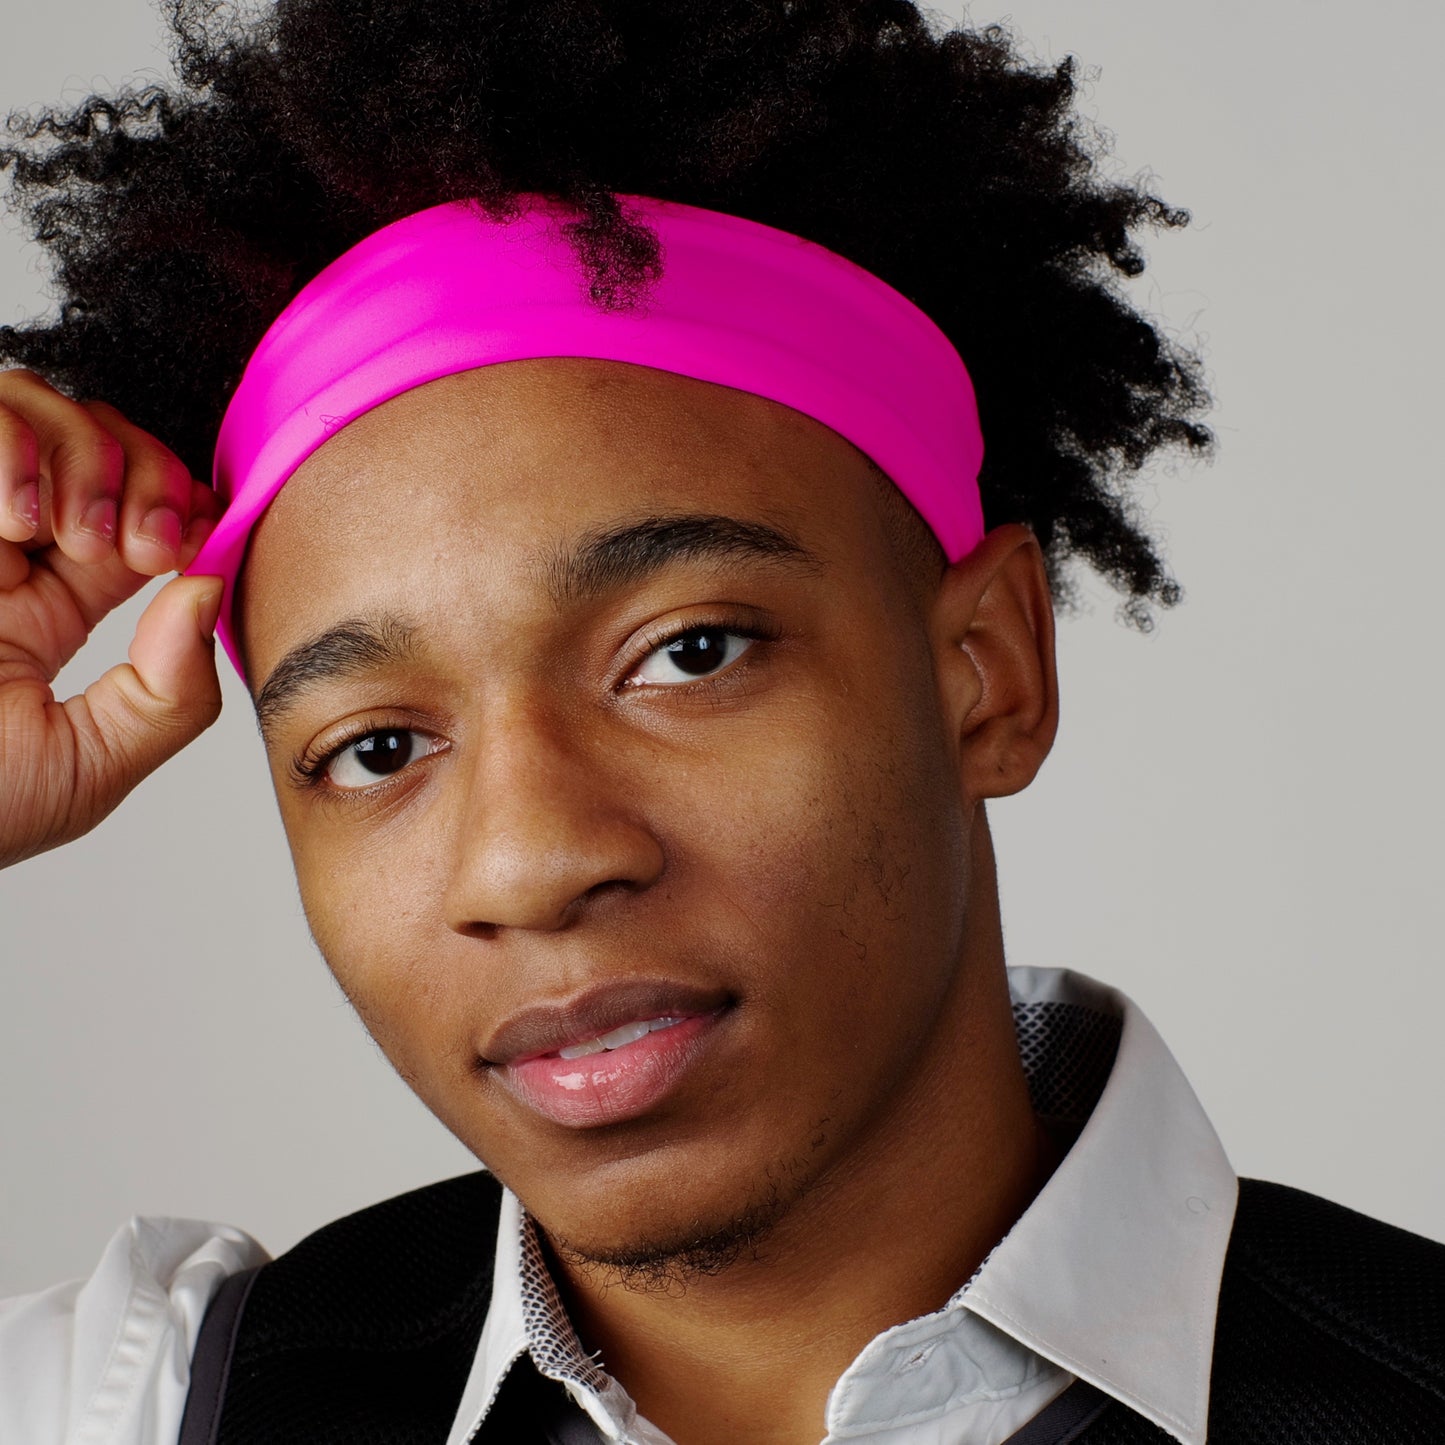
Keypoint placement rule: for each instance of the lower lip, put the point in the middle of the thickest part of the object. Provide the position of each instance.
(611, 1087)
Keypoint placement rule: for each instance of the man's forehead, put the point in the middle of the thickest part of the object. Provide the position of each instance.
(516, 454)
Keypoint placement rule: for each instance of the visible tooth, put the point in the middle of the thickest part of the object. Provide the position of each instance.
(580, 1051)
(627, 1034)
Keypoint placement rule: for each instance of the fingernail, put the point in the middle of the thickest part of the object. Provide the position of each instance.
(99, 519)
(161, 526)
(26, 504)
(208, 610)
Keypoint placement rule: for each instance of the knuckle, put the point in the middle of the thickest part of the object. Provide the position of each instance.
(14, 429)
(183, 719)
(22, 380)
(107, 449)
(150, 462)
(30, 394)
(95, 453)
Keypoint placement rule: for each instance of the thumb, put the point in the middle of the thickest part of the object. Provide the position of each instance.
(145, 711)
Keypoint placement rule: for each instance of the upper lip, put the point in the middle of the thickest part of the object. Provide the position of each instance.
(543, 1028)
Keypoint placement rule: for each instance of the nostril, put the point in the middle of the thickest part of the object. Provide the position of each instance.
(611, 885)
(484, 932)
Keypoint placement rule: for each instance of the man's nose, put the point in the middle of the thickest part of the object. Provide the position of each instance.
(544, 829)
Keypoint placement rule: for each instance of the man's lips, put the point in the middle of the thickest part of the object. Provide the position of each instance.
(542, 1029)
(650, 1033)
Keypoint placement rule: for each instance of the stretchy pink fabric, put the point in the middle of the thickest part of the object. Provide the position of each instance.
(739, 304)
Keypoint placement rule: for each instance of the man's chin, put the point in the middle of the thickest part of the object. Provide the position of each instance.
(672, 1255)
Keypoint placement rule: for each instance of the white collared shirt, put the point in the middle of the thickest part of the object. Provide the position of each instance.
(1111, 1275)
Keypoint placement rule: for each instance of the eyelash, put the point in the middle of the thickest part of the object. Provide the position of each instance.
(311, 768)
(655, 643)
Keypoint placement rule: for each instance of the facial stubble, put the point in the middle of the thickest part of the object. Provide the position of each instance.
(672, 1258)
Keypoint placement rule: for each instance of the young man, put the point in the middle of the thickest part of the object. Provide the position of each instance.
(632, 734)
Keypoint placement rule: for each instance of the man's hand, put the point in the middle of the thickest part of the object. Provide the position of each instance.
(90, 508)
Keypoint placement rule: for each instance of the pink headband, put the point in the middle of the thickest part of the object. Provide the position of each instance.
(739, 304)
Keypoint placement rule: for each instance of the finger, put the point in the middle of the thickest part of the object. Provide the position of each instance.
(83, 464)
(14, 566)
(19, 479)
(144, 711)
(155, 507)
(206, 508)
(96, 588)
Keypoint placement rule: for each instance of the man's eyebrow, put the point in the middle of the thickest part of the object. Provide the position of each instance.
(618, 556)
(353, 646)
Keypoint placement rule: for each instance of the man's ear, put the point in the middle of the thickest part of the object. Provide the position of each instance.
(992, 631)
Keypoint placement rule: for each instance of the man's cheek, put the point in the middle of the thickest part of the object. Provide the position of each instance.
(408, 1015)
(359, 942)
(779, 828)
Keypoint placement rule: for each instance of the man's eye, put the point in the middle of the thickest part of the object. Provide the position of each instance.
(700, 652)
(375, 756)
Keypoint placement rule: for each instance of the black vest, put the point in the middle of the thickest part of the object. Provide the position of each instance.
(1331, 1330)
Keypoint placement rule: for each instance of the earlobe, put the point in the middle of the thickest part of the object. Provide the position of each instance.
(993, 640)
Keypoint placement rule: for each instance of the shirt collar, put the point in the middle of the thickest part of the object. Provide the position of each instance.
(526, 1314)
(1112, 1273)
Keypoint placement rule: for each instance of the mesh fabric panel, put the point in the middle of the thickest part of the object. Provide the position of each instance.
(551, 1338)
(1067, 1051)
(365, 1332)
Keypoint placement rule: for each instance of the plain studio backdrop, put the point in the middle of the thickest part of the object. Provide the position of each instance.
(1239, 826)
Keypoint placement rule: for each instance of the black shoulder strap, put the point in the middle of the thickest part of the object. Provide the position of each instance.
(1377, 1289)
(363, 1334)
(1331, 1326)
(211, 1360)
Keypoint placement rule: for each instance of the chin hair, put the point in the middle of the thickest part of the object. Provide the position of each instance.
(667, 1263)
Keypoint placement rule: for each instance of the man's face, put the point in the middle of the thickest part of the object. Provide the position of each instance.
(616, 707)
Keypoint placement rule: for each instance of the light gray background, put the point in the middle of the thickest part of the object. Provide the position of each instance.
(1239, 827)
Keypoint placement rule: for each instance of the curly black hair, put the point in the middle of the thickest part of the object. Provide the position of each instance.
(181, 219)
